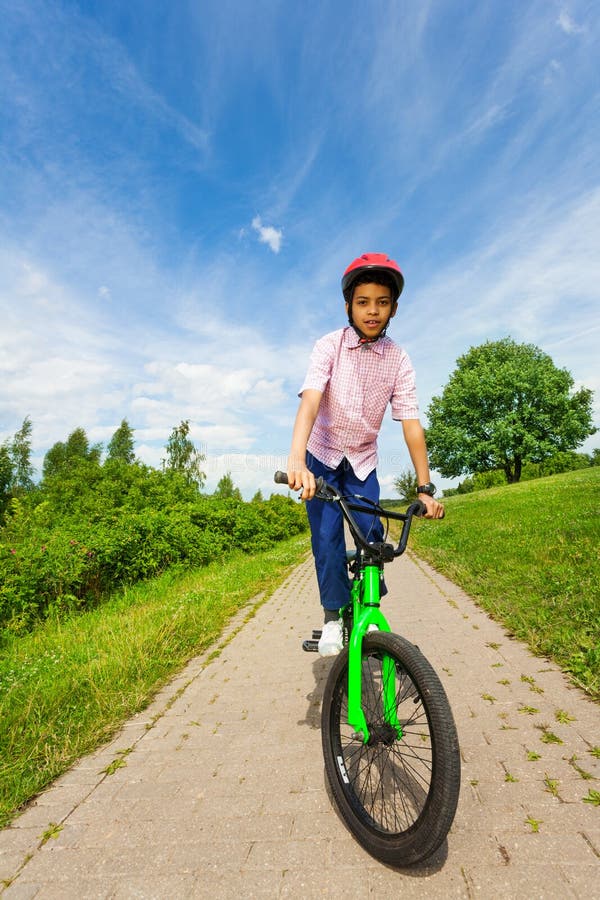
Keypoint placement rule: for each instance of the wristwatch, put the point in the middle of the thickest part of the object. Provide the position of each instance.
(428, 488)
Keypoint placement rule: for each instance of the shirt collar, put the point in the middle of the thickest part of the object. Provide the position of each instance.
(352, 341)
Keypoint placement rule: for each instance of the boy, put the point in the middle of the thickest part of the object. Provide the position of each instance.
(353, 374)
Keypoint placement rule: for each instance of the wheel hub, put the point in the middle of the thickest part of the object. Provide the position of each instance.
(382, 734)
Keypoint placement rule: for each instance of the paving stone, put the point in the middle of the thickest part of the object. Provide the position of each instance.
(510, 882)
(223, 792)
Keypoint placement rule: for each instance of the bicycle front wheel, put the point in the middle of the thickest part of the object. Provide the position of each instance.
(396, 794)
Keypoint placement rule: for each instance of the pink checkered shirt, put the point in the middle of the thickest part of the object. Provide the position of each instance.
(357, 381)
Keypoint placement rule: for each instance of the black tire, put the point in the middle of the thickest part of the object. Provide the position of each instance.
(397, 796)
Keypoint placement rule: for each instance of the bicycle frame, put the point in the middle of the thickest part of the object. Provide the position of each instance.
(365, 600)
(366, 612)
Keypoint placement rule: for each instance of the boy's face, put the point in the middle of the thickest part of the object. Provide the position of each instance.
(372, 308)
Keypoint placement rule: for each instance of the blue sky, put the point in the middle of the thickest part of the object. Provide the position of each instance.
(182, 184)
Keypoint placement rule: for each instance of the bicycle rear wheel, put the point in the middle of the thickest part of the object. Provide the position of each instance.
(398, 796)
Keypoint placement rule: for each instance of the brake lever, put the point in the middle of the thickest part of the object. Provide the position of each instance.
(325, 491)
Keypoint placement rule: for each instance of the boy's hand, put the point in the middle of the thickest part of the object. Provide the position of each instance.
(435, 510)
(302, 479)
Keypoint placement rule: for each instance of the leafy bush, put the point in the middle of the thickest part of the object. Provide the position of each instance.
(567, 461)
(92, 528)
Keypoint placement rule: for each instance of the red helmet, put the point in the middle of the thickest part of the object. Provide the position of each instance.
(376, 262)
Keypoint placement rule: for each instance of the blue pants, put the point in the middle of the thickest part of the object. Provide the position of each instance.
(327, 529)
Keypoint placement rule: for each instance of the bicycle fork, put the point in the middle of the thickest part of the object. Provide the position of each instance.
(364, 616)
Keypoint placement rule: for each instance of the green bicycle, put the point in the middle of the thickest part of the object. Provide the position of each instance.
(389, 740)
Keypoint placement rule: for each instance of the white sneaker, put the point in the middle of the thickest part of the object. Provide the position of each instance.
(331, 640)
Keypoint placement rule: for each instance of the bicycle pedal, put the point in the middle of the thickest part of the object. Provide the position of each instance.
(310, 646)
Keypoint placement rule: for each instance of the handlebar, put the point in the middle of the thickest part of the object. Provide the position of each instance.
(383, 551)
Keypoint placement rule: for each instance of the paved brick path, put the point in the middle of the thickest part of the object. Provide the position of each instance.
(222, 789)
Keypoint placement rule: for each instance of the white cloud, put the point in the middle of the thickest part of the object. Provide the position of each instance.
(553, 70)
(249, 472)
(568, 24)
(267, 234)
(485, 120)
(534, 279)
(92, 47)
(67, 360)
(217, 399)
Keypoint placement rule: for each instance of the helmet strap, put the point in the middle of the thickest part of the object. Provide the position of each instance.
(362, 338)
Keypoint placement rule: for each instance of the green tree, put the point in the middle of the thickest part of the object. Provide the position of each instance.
(79, 447)
(406, 485)
(226, 490)
(6, 477)
(20, 452)
(16, 469)
(121, 444)
(54, 460)
(182, 456)
(64, 455)
(505, 404)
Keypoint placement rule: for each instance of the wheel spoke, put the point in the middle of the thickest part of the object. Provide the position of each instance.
(391, 783)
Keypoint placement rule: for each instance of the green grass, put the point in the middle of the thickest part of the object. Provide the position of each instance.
(528, 554)
(66, 687)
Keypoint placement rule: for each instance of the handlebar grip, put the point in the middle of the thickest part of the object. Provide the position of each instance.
(421, 509)
(281, 478)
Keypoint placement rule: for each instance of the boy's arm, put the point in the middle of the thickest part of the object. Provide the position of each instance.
(415, 441)
(298, 474)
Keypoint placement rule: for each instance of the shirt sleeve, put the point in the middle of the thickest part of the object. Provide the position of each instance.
(319, 367)
(404, 399)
